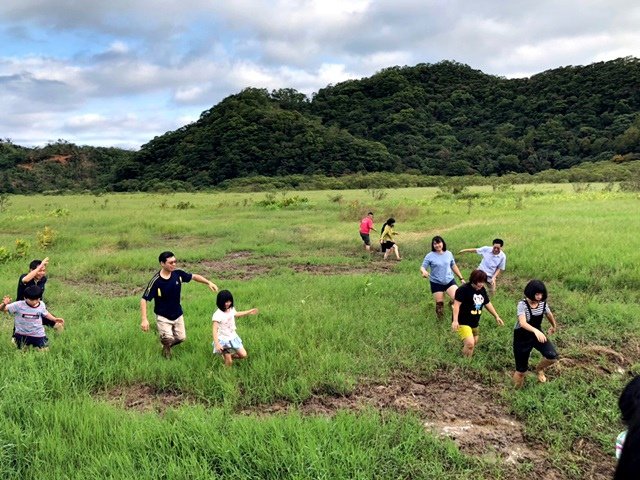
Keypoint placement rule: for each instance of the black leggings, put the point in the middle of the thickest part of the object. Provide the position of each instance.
(523, 343)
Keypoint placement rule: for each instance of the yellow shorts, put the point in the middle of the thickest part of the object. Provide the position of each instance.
(465, 331)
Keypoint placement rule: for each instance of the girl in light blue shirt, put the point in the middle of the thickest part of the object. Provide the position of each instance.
(439, 267)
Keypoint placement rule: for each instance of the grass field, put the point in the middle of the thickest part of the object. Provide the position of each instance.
(349, 373)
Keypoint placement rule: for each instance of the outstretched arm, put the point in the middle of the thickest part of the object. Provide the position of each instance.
(552, 321)
(5, 301)
(253, 311)
(493, 312)
(456, 270)
(144, 322)
(468, 250)
(32, 274)
(200, 279)
(53, 318)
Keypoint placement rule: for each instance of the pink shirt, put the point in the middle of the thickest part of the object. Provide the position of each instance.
(366, 225)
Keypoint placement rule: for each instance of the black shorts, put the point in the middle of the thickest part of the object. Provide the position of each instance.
(26, 340)
(365, 238)
(387, 245)
(438, 287)
(524, 342)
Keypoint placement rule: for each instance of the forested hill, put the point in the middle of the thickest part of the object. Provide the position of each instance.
(434, 119)
(445, 118)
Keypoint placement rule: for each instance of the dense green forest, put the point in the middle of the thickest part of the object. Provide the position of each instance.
(431, 119)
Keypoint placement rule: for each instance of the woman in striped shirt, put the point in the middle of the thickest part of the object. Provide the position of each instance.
(527, 333)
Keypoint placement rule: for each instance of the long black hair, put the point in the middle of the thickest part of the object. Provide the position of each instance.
(390, 221)
(223, 297)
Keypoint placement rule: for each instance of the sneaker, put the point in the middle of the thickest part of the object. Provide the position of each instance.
(166, 351)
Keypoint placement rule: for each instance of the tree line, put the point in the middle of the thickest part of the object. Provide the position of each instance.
(427, 120)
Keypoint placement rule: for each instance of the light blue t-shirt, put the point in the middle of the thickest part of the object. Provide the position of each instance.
(28, 319)
(490, 262)
(439, 266)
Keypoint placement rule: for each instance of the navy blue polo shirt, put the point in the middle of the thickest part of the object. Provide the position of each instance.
(166, 293)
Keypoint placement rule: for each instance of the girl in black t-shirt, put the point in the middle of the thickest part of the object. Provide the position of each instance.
(470, 298)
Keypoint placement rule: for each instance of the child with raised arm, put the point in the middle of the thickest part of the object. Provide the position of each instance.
(226, 341)
(28, 315)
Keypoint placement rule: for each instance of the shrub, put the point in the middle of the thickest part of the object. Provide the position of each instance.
(4, 201)
(270, 200)
(184, 205)
(46, 238)
(59, 212)
(22, 248)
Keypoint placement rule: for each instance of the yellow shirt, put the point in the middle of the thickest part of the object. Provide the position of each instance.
(387, 234)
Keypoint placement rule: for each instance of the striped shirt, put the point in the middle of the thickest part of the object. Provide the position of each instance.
(28, 319)
(536, 312)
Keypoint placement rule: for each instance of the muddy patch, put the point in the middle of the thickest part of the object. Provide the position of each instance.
(240, 265)
(244, 265)
(144, 398)
(342, 269)
(465, 411)
(595, 359)
(595, 463)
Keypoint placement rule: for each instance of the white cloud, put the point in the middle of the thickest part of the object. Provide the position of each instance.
(124, 71)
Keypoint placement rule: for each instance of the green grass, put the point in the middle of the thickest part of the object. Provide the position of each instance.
(316, 334)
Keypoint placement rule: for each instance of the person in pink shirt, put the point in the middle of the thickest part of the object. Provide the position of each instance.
(366, 225)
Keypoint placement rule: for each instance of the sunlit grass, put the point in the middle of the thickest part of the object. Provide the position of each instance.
(315, 334)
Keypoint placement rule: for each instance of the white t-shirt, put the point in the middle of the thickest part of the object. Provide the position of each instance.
(490, 262)
(227, 323)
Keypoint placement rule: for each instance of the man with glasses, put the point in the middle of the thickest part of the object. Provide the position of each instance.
(494, 260)
(165, 288)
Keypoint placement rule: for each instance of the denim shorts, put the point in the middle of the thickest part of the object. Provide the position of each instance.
(233, 344)
(438, 287)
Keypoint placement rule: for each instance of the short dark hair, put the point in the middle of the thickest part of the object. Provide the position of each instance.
(33, 292)
(162, 258)
(223, 297)
(438, 239)
(498, 241)
(533, 287)
(477, 276)
(34, 264)
(370, 213)
(629, 401)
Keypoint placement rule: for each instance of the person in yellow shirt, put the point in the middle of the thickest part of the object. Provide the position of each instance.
(387, 238)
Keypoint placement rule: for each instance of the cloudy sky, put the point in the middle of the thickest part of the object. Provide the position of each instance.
(118, 73)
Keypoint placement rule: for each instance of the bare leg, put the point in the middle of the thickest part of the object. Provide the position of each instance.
(228, 359)
(469, 345)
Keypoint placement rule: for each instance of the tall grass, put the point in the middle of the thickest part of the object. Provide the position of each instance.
(316, 334)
